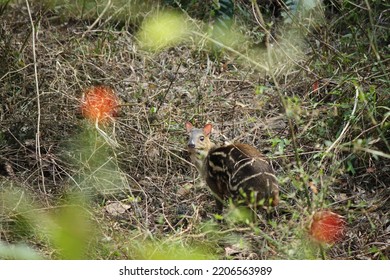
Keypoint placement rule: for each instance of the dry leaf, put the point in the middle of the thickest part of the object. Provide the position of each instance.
(116, 208)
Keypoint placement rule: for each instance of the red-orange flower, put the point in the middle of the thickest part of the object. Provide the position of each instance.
(99, 103)
(327, 227)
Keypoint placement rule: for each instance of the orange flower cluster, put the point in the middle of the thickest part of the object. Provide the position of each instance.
(327, 227)
(99, 104)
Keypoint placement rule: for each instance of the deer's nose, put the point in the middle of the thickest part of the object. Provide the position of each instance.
(191, 145)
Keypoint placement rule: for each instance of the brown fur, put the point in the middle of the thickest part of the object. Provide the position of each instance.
(237, 171)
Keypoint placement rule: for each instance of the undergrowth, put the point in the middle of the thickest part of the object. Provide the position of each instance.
(310, 89)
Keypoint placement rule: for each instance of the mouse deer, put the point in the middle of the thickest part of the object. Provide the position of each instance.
(235, 171)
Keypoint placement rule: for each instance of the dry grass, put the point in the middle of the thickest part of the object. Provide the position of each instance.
(146, 196)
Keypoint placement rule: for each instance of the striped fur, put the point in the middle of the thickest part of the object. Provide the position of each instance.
(236, 171)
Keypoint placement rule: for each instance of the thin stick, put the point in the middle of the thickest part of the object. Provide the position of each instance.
(232, 50)
(99, 17)
(294, 140)
(109, 141)
(37, 135)
(260, 21)
(345, 127)
(374, 152)
(168, 89)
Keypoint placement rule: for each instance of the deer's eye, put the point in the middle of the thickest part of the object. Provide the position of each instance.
(201, 138)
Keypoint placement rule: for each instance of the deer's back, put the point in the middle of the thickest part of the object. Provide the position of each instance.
(239, 166)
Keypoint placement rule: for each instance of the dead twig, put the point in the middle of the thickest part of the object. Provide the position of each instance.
(38, 133)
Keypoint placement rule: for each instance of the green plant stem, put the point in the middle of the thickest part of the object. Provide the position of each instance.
(294, 141)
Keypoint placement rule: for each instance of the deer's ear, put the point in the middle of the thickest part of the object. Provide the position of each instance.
(207, 129)
(189, 126)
